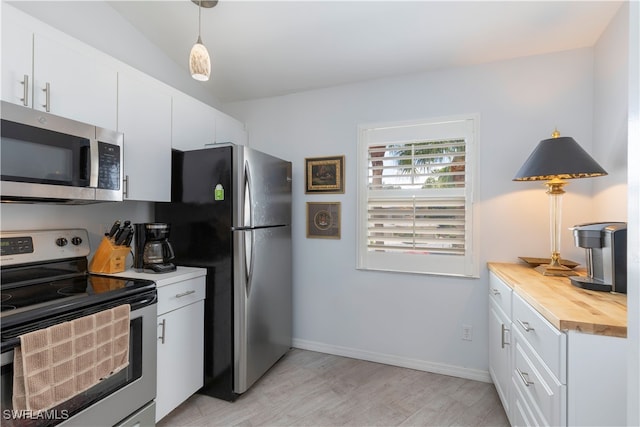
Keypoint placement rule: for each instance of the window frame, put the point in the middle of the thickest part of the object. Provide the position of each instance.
(371, 134)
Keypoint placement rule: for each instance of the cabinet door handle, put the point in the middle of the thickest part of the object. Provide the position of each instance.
(47, 97)
(25, 91)
(125, 184)
(494, 291)
(504, 330)
(184, 294)
(525, 326)
(524, 377)
(164, 326)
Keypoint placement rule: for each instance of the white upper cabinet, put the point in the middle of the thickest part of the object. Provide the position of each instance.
(197, 125)
(75, 84)
(144, 116)
(229, 129)
(17, 60)
(194, 123)
(57, 73)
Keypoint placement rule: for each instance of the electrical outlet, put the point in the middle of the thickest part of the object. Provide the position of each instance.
(467, 332)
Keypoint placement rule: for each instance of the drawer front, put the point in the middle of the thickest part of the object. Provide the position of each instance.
(179, 294)
(543, 393)
(522, 415)
(544, 338)
(500, 292)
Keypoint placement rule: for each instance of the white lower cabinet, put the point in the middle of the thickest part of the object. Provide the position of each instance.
(500, 339)
(180, 343)
(555, 378)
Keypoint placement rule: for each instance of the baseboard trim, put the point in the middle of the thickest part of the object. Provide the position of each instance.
(389, 359)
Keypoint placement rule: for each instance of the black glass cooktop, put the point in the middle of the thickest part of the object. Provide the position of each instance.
(62, 289)
(64, 292)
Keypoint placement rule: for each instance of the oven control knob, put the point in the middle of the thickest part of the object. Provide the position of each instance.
(61, 241)
(76, 240)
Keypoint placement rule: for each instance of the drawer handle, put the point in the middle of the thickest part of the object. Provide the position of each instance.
(525, 326)
(503, 342)
(184, 294)
(524, 377)
(494, 291)
(164, 326)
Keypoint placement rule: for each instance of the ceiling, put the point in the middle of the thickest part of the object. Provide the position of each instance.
(268, 48)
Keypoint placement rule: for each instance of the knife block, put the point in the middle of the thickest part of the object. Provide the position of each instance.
(109, 258)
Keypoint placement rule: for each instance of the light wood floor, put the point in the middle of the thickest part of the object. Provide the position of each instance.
(306, 388)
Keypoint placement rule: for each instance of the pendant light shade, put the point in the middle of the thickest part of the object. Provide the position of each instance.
(199, 60)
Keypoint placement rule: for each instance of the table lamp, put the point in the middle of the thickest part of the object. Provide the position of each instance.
(554, 160)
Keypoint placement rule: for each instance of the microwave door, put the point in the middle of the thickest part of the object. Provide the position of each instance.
(40, 164)
(50, 159)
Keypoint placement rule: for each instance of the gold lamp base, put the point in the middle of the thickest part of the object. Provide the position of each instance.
(553, 270)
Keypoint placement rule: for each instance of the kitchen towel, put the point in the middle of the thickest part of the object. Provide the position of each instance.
(56, 363)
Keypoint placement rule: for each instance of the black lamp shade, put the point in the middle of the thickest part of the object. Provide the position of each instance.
(560, 158)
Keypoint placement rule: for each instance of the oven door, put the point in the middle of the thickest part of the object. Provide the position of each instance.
(123, 399)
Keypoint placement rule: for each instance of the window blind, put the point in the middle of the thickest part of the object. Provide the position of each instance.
(415, 198)
(409, 219)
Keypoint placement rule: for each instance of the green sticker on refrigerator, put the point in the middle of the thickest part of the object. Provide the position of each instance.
(218, 192)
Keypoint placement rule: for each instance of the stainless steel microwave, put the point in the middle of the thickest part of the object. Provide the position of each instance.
(47, 158)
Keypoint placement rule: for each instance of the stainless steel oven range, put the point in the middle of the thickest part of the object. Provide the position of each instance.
(45, 281)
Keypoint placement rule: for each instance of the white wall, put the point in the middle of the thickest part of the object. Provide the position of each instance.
(633, 243)
(610, 114)
(416, 319)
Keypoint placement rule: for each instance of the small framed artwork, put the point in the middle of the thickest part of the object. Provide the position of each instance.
(323, 220)
(324, 174)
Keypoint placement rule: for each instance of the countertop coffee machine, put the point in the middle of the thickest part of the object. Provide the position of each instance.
(606, 247)
(153, 252)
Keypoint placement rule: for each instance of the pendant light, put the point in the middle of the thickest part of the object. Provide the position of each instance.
(199, 61)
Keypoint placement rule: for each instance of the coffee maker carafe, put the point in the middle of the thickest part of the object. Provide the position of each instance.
(606, 248)
(153, 252)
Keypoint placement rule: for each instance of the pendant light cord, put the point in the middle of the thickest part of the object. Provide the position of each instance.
(199, 20)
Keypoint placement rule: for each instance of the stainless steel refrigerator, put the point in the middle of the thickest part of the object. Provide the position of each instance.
(231, 214)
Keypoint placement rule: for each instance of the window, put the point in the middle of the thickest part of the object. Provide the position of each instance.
(415, 197)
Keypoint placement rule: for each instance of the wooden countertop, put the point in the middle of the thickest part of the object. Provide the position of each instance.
(567, 307)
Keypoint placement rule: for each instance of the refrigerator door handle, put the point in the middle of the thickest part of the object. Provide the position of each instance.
(248, 235)
(246, 211)
(248, 260)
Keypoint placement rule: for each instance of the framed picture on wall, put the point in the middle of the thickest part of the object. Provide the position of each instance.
(324, 174)
(323, 220)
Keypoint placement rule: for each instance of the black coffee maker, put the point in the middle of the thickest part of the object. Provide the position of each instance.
(605, 244)
(153, 252)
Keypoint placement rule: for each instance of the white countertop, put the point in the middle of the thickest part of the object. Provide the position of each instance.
(163, 279)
